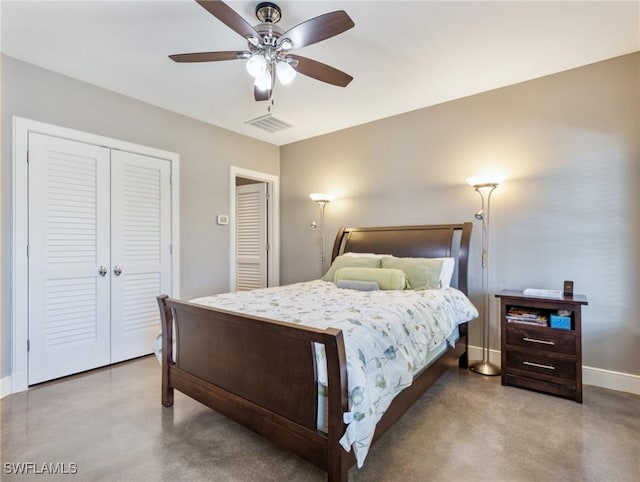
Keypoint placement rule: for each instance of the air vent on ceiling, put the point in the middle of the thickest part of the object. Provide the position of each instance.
(269, 123)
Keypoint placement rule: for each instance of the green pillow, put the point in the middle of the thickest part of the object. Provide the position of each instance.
(350, 284)
(422, 273)
(350, 262)
(387, 279)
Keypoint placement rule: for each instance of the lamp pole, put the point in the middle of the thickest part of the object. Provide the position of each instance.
(322, 205)
(321, 200)
(485, 367)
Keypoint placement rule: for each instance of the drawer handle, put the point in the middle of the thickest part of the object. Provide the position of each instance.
(544, 342)
(539, 365)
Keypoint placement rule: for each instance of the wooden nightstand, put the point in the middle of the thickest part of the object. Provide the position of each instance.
(535, 355)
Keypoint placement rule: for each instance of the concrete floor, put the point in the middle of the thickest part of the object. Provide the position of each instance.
(467, 427)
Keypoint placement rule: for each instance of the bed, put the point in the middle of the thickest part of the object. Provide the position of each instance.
(264, 373)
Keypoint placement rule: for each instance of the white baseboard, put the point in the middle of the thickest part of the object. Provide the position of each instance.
(623, 382)
(475, 353)
(5, 387)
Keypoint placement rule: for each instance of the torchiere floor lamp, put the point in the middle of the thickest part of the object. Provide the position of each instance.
(321, 200)
(484, 186)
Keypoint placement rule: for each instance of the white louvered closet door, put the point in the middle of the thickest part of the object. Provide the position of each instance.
(68, 242)
(140, 250)
(251, 236)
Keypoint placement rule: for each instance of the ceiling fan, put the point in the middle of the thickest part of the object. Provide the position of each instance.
(268, 54)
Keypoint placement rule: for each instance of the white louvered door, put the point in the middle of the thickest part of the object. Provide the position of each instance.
(251, 236)
(99, 254)
(68, 242)
(140, 251)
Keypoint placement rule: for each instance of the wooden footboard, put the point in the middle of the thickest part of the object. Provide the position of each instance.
(261, 373)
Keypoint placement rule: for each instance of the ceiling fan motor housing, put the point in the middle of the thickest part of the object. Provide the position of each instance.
(269, 33)
(268, 12)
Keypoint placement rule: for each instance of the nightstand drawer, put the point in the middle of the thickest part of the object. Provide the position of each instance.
(541, 339)
(542, 363)
(564, 390)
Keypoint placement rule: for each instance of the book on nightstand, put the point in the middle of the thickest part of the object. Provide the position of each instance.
(542, 293)
(527, 316)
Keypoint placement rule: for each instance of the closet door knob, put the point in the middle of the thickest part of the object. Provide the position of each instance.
(102, 271)
(117, 270)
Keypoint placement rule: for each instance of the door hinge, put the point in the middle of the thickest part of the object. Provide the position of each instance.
(170, 179)
(266, 246)
(27, 155)
(28, 250)
(171, 248)
(28, 345)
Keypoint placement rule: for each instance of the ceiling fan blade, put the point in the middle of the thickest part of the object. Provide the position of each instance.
(319, 71)
(229, 17)
(318, 28)
(209, 56)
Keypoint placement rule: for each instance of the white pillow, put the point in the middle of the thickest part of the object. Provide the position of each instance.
(448, 265)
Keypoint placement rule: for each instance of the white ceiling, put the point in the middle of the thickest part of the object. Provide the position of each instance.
(403, 55)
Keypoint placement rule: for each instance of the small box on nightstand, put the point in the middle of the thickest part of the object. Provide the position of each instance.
(561, 322)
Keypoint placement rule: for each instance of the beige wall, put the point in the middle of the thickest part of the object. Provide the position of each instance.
(205, 155)
(569, 147)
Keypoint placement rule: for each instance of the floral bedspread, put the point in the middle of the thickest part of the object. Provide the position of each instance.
(387, 336)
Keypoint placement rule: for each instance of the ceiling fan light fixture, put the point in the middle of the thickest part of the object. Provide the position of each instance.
(285, 72)
(286, 44)
(257, 66)
(263, 82)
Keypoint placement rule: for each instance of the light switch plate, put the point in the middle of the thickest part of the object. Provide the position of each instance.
(222, 219)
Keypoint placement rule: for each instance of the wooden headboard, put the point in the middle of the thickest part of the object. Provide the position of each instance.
(423, 241)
